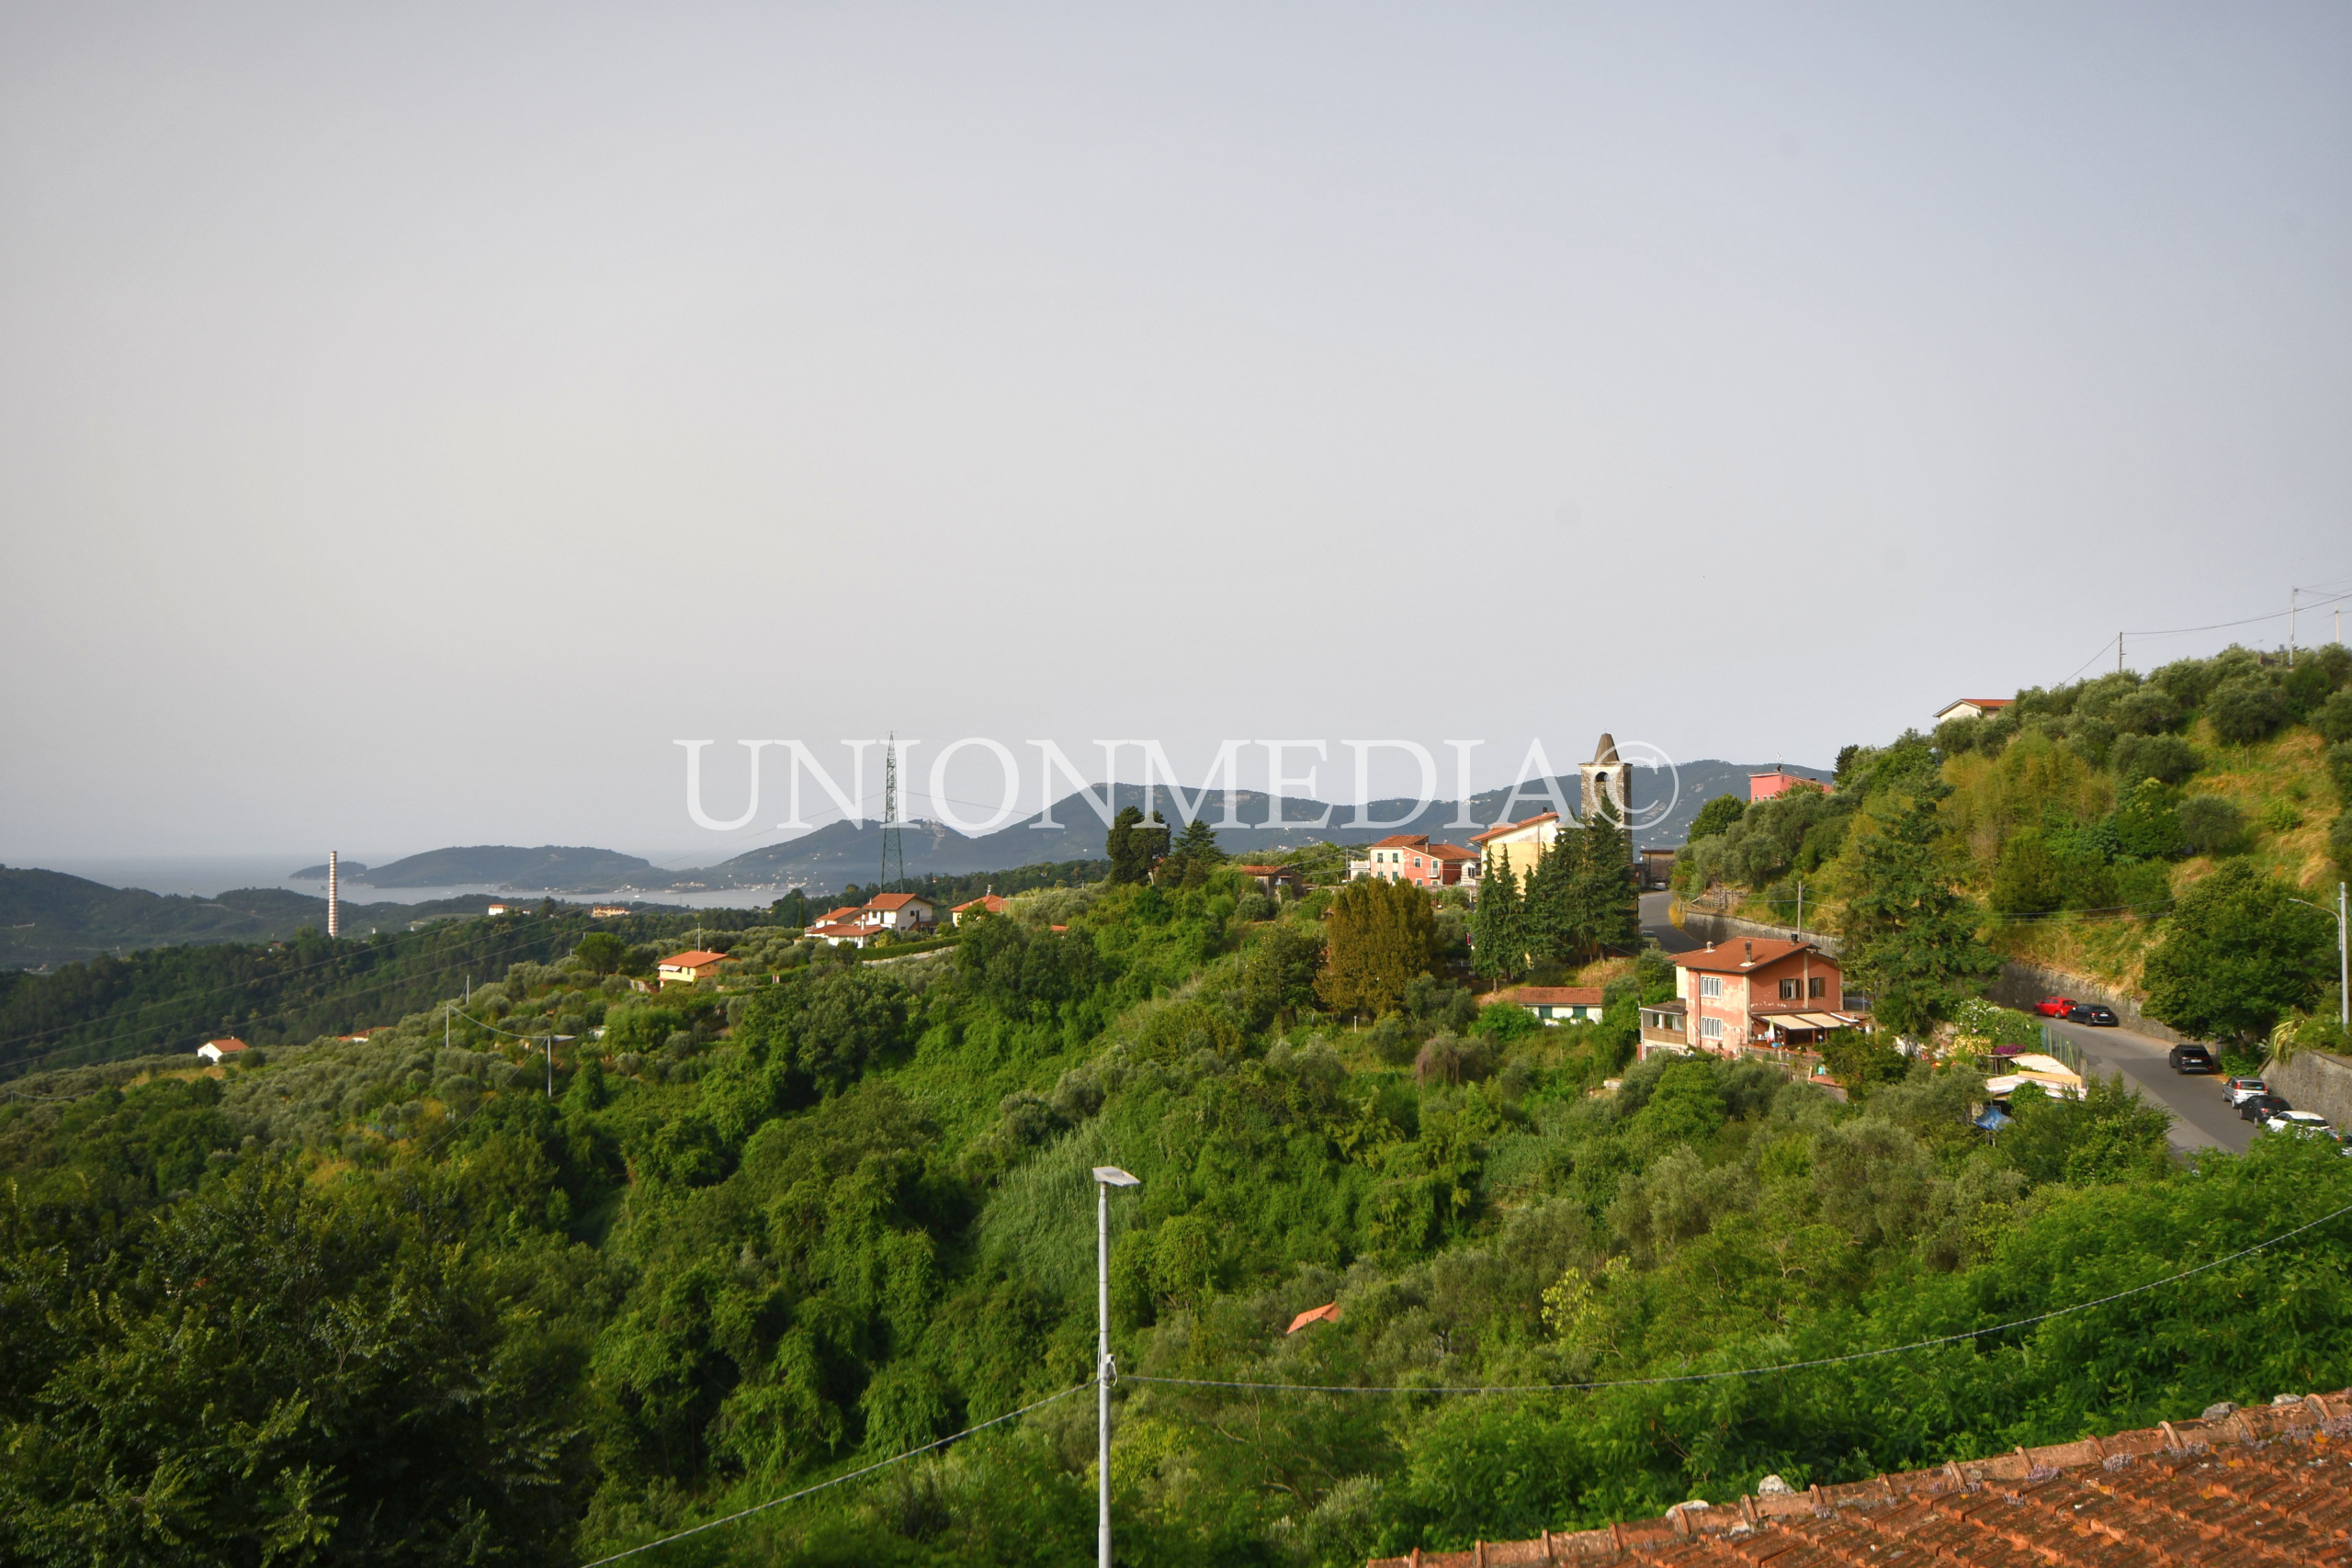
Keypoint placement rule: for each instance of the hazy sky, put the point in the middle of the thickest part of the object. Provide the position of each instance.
(415, 420)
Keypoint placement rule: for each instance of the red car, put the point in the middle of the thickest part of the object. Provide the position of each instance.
(2055, 1007)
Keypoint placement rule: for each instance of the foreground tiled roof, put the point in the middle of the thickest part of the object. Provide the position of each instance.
(2268, 1485)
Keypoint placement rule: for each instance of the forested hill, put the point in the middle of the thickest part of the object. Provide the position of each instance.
(48, 918)
(396, 1303)
(173, 999)
(555, 868)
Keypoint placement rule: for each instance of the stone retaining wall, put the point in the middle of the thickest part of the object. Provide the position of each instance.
(1721, 929)
(2020, 986)
(2314, 1080)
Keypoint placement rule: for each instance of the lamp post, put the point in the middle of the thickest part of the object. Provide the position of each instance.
(1105, 1177)
(2343, 953)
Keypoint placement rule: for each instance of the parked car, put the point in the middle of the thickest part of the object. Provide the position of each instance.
(2091, 1012)
(2239, 1091)
(2195, 1059)
(2260, 1108)
(2309, 1124)
(2055, 1007)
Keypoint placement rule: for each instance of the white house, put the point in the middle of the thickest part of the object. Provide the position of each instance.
(214, 1050)
(899, 912)
(1973, 708)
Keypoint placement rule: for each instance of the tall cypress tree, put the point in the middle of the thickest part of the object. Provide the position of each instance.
(1606, 897)
(1497, 930)
(1549, 917)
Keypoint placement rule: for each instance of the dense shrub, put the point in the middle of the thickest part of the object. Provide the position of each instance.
(2167, 758)
(2333, 718)
(2210, 825)
(2245, 708)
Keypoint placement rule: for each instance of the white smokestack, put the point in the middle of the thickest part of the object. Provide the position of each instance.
(335, 905)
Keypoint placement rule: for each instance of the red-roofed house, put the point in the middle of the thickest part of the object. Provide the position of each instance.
(899, 912)
(1755, 992)
(986, 904)
(685, 968)
(1558, 1004)
(1517, 846)
(1973, 708)
(1274, 880)
(214, 1050)
(1410, 857)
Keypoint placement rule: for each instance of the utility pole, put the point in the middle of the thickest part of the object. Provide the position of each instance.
(1105, 1177)
(2119, 653)
(892, 847)
(2291, 595)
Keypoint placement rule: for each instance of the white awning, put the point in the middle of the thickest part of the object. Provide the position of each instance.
(1809, 1021)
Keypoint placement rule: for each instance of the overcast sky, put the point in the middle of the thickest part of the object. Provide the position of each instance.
(414, 420)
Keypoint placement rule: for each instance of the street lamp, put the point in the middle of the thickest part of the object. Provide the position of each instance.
(2343, 954)
(1105, 1177)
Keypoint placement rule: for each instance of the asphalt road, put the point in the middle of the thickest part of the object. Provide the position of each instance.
(2200, 1117)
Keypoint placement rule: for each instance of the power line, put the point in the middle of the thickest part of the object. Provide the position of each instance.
(2248, 621)
(2215, 627)
(839, 1479)
(1749, 1372)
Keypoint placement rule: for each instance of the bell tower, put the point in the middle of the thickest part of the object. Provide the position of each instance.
(1606, 777)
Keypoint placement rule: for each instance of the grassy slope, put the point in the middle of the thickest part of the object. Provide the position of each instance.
(2282, 787)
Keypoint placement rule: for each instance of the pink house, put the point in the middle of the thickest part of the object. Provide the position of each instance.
(1410, 857)
(1755, 992)
(1764, 787)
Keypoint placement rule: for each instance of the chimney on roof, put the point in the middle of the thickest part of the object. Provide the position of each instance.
(1747, 953)
(1711, 946)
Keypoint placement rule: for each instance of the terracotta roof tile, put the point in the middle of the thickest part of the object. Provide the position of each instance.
(1731, 957)
(2270, 1485)
(1499, 829)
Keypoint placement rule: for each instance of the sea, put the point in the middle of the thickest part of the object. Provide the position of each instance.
(208, 877)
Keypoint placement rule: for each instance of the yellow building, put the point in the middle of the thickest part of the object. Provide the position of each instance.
(1517, 846)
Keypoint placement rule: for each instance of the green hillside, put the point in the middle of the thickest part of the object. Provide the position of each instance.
(395, 1302)
(2079, 821)
(558, 866)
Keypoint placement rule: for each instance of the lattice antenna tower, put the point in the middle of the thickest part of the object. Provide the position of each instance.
(893, 851)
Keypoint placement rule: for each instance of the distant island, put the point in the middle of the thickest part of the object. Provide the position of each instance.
(553, 867)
